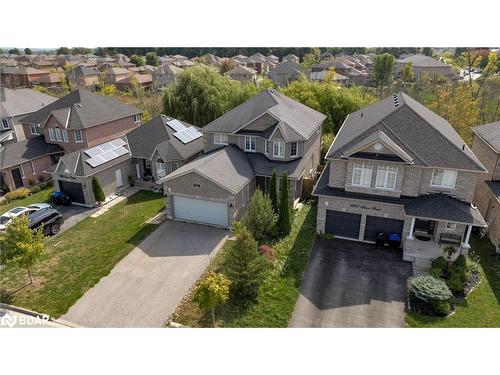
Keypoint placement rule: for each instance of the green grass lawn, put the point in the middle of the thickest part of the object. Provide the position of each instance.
(279, 292)
(482, 307)
(40, 197)
(78, 258)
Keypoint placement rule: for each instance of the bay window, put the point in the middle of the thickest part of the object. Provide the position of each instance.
(444, 178)
(386, 177)
(362, 174)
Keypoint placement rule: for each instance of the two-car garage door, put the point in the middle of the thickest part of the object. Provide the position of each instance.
(201, 211)
(347, 225)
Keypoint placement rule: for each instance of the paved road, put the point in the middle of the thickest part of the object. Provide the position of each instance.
(349, 284)
(144, 288)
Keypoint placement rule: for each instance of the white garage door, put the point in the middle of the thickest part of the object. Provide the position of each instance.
(201, 211)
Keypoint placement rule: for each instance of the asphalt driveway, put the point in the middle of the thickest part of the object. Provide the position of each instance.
(146, 286)
(351, 284)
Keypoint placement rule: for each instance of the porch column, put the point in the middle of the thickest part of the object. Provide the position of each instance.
(138, 171)
(467, 237)
(412, 228)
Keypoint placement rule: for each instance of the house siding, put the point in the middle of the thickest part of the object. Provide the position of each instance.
(29, 179)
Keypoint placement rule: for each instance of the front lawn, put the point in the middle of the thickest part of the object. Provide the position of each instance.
(39, 197)
(280, 290)
(79, 257)
(482, 306)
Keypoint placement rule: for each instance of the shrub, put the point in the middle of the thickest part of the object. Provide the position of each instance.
(436, 272)
(450, 250)
(259, 217)
(440, 308)
(429, 288)
(460, 261)
(97, 189)
(245, 267)
(36, 189)
(273, 193)
(456, 280)
(17, 194)
(440, 263)
(472, 267)
(268, 252)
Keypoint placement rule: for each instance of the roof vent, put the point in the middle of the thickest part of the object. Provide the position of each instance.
(79, 105)
(395, 99)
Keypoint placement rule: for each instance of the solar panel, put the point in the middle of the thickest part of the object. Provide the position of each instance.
(92, 152)
(118, 142)
(188, 134)
(106, 152)
(176, 125)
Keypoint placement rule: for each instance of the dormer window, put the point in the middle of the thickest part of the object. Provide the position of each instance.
(444, 178)
(294, 149)
(250, 144)
(220, 139)
(34, 129)
(279, 149)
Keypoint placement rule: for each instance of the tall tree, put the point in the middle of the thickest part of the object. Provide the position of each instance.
(137, 60)
(226, 65)
(97, 189)
(20, 245)
(152, 59)
(284, 217)
(14, 51)
(28, 51)
(312, 57)
(273, 192)
(63, 51)
(211, 291)
(383, 69)
(406, 72)
(259, 216)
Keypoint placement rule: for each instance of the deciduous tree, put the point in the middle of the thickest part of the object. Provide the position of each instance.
(211, 291)
(28, 51)
(137, 60)
(152, 59)
(383, 69)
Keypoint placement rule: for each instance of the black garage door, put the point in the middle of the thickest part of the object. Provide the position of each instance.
(74, 190)
(342, 224)
(376, 224)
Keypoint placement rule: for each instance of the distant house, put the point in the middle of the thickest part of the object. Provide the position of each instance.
(112, 75)
(165, 75)
(259, 63)
(323, 75)
(427, 65)
(21, 76)
(83, 76)
(285, 72)
(291, 57)
(243, 74)
(487, 196)
(273, 59)
(127, 83)
(183, 63)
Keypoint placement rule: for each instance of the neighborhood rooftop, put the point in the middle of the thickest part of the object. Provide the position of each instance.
(15, 102)
(490, 133)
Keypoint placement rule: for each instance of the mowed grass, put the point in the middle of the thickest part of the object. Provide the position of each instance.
(78, 258)
(40, 197)
(482, 307)
(278, 293)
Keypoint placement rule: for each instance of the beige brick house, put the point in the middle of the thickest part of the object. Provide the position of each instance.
(487, 197)
(269, 132)
(397, 167)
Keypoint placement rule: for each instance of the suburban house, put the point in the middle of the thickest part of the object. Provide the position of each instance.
(128, 82)
(15, 104)
(291, 57)
(329, 74)
(487, 197)
(259, 63)
(397, 167)
(242, 74)
(21, 76)
(83, 76)
(269, 132)
(422, 64)
(165, 75)
(285, 72)
(112, 74)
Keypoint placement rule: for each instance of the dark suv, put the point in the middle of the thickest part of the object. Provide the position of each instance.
(48, 219)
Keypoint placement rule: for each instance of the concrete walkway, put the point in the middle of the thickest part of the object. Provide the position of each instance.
(351, 284)
(146, 286)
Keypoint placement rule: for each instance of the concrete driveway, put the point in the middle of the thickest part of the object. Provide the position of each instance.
(350, 284)
(73, 214)
(146, 286)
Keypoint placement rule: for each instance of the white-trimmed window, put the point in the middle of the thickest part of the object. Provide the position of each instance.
(386, 177)
(294, 149)
(52, 134)
(78, 136)
(137, 118)
(174, 166)
(451, 226)
(279, 149)
(34, 129)
(160, 169)
(58, 134)
(362, 174)
(220, 139)
(5, 123)
(266, 149)
(33, 171)
(444, 178)
(250, 144)
(65, 135)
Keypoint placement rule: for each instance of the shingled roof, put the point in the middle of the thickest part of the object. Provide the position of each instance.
(490, 133)
(296, 120)
(15, 102)
(427, 137)
(83, 109)
(19, 152)
(156, 134)
(422, 61)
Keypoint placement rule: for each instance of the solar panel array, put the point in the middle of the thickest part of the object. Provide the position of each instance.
(106, 152)
(183, 134)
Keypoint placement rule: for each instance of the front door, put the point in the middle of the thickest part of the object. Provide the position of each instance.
(17, 178)
(118, 176)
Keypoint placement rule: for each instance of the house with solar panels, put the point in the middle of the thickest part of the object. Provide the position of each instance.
(144, 155)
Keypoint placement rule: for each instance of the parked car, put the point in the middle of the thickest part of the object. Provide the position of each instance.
(47, 218)
(6, 218)
(39, 206)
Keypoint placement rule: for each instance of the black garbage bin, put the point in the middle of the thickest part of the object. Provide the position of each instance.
(394, 240)
(380, 240)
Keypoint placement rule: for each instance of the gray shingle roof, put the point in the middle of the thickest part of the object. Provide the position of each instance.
(19, 152)
(428, 138)
(87, 109)
(228, 167)
(300, 120)
(16, 102)
(495, 188)
(84, 71)
(422, 61)
(490, 133)
(287, 67)
(241, 70)
(157, 134)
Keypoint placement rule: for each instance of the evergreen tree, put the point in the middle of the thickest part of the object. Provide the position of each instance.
(284, 217)
(245, 267)
(28, 51)
(273, 193)
(259, 216)
(97, 189)
(152, 59)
